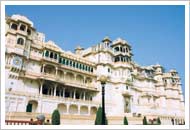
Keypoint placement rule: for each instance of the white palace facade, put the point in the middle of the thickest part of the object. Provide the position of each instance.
(41, 77)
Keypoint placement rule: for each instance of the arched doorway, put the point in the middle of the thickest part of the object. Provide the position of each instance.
(93, 110)
(83, 110)
(73, 109)
(32, 106)
(62, 108)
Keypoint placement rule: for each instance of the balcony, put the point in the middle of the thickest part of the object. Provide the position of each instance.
(62, 80)
(50, 59)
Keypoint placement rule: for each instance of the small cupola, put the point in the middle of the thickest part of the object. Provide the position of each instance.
(78, 50)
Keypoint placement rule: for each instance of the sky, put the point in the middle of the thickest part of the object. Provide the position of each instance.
(156, 33)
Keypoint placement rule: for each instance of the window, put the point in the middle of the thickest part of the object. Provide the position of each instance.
(127, 87)
(71, 63)
(63, 61)
(67, 62)
(60, 60)
(20, 41)
(14, 26)
(76, 65)
(51, 54)
(29, 107)
(91, 69)
(47, 54)
(55, 56)
(80, 66)
(22, 28)
(83, 67)
(108, 69)
(28, 31)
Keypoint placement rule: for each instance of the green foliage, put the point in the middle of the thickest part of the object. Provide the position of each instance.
(145, 121)
(158, 121)
(98, 120)
(55, 119)
(125, 121)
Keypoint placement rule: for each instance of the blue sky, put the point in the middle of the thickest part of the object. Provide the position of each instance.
(156, 33)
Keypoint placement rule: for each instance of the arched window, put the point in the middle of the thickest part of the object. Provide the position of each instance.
(60, 60)
(91, 69)
(47, 54)
(67, 62)
(28, 31)
(117, 49)
(63, 61)
(76, 65)
(22, 28)
(73, 64)
(20, 41)
(55, 56)
(14, 26)
(51, 54)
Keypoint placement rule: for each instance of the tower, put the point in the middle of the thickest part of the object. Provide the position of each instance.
(122, 51)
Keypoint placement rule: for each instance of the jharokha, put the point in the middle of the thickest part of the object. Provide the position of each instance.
(41, 77)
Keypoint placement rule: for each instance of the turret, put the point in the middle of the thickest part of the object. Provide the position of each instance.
(122, 50)
(79, 50)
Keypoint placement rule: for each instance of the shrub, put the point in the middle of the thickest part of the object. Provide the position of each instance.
(98, 120)
(125, 121)
(145, 121)
(55, 119)
(158, 121)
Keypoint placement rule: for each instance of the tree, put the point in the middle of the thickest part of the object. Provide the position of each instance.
(125, 121)
(145, 121)
(98, 120)
(158, 121)
(55, 119)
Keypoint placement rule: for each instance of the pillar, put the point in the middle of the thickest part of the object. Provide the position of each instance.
(43, 66)
(41, 86)
(88, 110)
(75, 76)
(55, 87)
(84, 80)
(74, 96)
(63, 92)
(84, 95)
(56, 69)
(79, 109)
(64, 78)
(67, 109)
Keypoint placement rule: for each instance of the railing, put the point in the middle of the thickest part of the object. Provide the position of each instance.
(62, 99)
(19, 122)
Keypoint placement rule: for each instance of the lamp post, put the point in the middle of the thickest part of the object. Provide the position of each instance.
(103, 80)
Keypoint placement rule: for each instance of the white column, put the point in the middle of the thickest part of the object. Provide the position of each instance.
(56, 69)
(88, 110)
(84, 95)
(75, 77)
(63, 92)
(64, 78)
(55, 87)
(74, 96)
(79, 109)
(41, 86)
(43, 66)
(67, 109)
(84, 80)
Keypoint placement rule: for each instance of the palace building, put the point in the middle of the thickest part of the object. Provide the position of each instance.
(41, 77)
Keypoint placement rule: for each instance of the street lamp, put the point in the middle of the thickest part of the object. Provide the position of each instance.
(103, 80)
